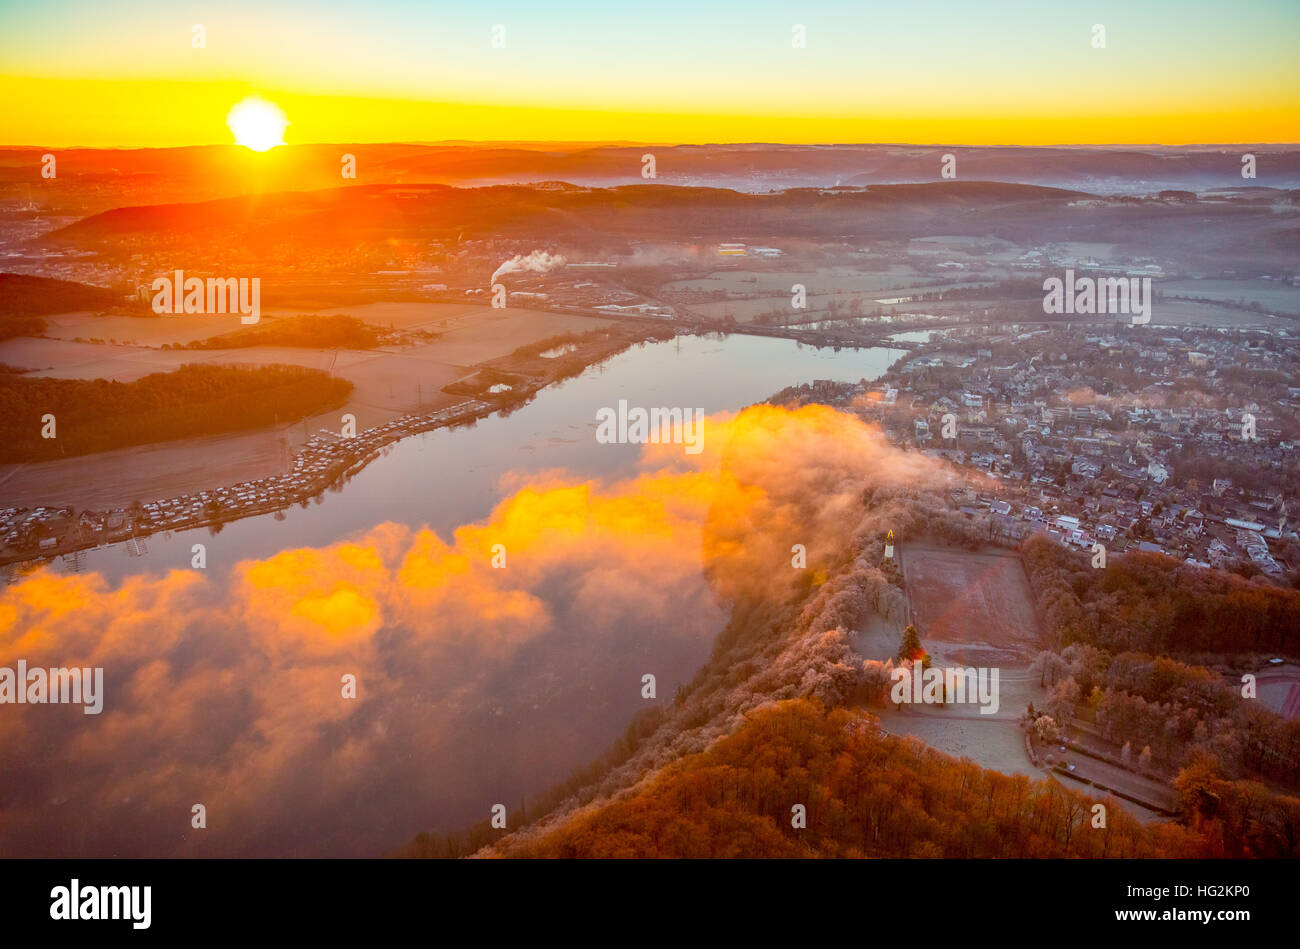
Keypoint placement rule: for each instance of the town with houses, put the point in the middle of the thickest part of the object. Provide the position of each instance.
(325, 459)
(1052, 442)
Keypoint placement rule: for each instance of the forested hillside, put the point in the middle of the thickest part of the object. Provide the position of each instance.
(197, 399)
(1151, 603)
(307, 331)
(865, 795)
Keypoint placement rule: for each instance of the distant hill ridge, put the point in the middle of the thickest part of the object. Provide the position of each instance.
(398, 209)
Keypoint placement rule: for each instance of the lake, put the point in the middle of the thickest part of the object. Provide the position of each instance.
(220, 690)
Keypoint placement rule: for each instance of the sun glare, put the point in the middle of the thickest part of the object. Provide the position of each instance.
(257, 124)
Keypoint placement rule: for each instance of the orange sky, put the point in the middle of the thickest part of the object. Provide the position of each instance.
(134, 73)
(127, 113)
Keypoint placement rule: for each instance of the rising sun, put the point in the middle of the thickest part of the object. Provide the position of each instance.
(257, 124)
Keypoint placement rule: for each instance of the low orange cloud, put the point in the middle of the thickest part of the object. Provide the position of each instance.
(476, 684)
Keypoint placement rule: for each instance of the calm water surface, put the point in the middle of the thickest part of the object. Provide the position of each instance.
(449, 734)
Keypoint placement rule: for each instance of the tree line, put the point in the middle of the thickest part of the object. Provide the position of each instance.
(196, 399)
(1172, 717)
(309, 332)
(1151, 603)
